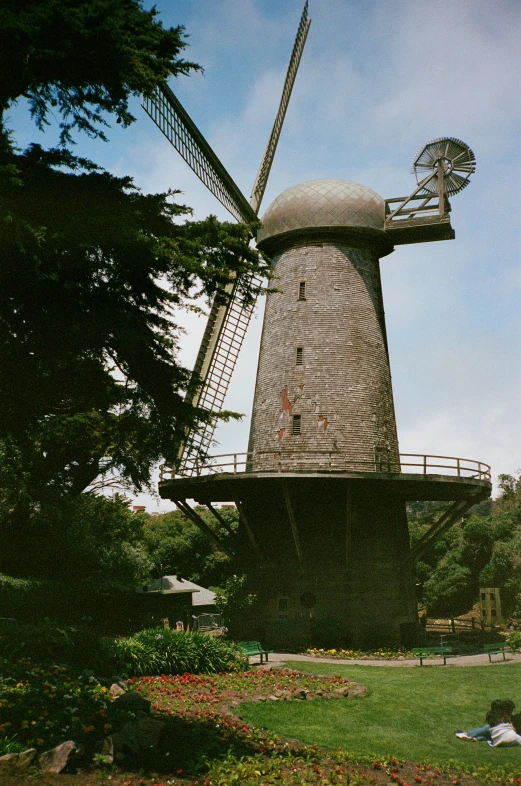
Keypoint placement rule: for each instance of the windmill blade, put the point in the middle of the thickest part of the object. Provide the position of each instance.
(180, 130)
(230, 315)
(220, 346)
(265, 167)
(455, 183)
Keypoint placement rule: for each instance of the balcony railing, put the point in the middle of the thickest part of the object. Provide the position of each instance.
(333, 461)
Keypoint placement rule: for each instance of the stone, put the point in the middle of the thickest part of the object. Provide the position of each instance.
(124, 742)
(148, 733)
(343, 691)
(116, 690)
(16, 762)
(56, 759)
(300, 694)
(133, 702)
(119, 681)
(137, 739)
(357, 690)
(106, 751)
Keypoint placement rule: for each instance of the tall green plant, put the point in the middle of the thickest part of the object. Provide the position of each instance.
(151, 652)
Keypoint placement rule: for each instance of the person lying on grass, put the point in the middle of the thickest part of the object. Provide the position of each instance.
(499, 730)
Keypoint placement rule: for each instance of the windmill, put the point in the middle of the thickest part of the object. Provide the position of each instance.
(322, 489)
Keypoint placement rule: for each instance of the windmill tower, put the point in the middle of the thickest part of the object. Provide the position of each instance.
(322, 489)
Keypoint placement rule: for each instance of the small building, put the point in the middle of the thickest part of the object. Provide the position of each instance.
(176, 599)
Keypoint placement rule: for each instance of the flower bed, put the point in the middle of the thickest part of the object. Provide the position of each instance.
(181, 694)
(42, 707)
(379, 654)
(206, 742)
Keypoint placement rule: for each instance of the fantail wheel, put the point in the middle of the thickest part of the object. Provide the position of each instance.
(448, 158)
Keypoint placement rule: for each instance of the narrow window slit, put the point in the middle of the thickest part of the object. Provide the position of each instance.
(300, 355)
(302, 290)
(295, 425)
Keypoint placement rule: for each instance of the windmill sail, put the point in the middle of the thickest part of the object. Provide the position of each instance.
(180, 130)
(218, 353)
(264, 169)
(230, 314)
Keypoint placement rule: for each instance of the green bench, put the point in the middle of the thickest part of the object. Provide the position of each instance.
(250, 648)
(498, 648)
(432, 652)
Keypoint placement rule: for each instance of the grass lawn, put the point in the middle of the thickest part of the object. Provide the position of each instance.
(410, 713)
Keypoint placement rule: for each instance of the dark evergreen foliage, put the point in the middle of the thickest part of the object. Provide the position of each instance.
(92, 272)
(84, 58)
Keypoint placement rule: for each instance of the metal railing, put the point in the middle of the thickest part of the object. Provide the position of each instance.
(333, 461)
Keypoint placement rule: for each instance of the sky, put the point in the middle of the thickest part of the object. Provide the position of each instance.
(377, 81)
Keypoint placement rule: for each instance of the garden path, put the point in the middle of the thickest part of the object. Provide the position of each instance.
(276, 658)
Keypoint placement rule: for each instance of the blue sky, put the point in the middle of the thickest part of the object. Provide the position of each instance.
(377, 81)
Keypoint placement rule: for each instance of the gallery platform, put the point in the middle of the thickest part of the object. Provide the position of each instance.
(326, 547)
(227, 477)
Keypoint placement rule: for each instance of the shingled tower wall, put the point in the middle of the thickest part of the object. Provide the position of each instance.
(324, 352)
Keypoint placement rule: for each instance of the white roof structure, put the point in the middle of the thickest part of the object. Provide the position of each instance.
(171, 585)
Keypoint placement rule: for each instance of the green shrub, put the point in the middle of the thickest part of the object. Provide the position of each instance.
(152, 652)
(47, 643)
(514, 640)
(149, 652)
(111, 608)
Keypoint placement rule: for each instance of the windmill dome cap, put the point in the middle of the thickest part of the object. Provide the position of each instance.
(323, 203)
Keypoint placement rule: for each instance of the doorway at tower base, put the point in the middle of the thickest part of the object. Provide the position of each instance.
(327, 569)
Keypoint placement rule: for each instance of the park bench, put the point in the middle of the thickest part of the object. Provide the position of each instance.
(498, 648)
(250, 648)
(432, 652)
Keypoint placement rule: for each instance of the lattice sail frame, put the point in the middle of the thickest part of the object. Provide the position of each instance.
(218, 355)
(230, 314)
(265, 167)
(180, 130)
